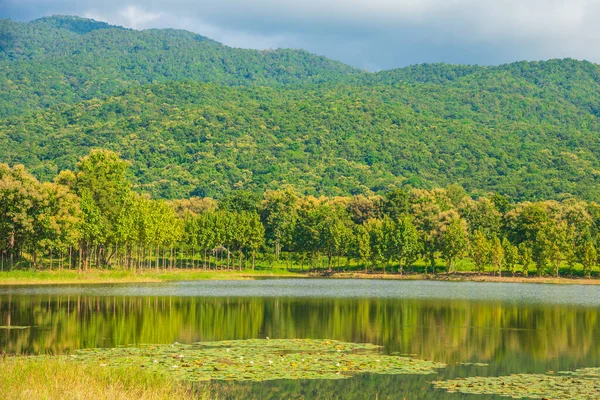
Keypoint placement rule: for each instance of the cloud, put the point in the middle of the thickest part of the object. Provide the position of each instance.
(128, 16)
(368, 33)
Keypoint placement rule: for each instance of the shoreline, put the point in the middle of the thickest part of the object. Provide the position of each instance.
(23, 278)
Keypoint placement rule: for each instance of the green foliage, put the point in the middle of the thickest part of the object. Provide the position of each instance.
(68, 59)
(92, 218)
(453, 238)
(258, 360)
(480, 250)
(196, 118)
(566, 385)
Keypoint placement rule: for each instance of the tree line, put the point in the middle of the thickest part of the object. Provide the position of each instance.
(91, 217)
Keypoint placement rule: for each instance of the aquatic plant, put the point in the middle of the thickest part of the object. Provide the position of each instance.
(564, 385)
(257, 360)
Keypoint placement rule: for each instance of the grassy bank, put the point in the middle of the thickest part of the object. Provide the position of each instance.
(26, 277)
(95, 276)
(59, 378)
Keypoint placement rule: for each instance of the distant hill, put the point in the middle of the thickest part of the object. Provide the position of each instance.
(66, 59)
(188, 138)
(196, 117)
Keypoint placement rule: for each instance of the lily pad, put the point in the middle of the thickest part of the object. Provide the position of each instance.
(565, 385)
(258, 360)
(15, 327)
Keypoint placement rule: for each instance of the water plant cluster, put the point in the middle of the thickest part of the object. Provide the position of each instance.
(565, 385)
(257, 360)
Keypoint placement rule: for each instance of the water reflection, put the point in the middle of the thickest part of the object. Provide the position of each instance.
(511, 336)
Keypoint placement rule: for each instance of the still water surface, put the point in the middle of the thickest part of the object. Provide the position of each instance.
(512, 327)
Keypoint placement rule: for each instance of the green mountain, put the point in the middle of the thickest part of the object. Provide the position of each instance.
(67, 59)
(195, 117)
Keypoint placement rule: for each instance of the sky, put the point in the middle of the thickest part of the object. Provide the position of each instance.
(369, 34)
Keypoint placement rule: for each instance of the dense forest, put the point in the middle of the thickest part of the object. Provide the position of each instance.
(67, 59)
(196, 118)
(92, 217)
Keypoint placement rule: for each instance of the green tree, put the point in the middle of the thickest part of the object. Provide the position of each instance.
(453, 239)
(480, 250)
(589, 257)
(404, 244)
(525, 257)
(279, 214)
(511, 255)
(497, 255)
(104, 189)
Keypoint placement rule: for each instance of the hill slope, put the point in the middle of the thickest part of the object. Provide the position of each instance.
(65, 59)
(203, 139)
(199, 118)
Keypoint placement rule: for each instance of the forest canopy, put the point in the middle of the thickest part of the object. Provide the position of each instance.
(197, 118)
(92, 217)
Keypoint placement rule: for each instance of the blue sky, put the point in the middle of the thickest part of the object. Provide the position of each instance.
(371, 34)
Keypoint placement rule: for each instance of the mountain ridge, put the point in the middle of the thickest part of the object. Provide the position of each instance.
(196, 117)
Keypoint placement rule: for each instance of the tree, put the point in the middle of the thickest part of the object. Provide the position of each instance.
(256, 233)
(511, 255)
(241, 200)
(396, 203)
(102, 184)
(480, 250)
(482, 215)
(17, 190)
(497, 255)
(363, 245)
(589, 257)
(556, 242)
(428, 207)
(404, 244)
(525, 257)
(278, 214)
(456, 193)
(453, 239)
(374, 227)
(541, 252)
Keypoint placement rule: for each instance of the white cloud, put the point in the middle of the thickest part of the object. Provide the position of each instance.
(129, 16)
(368, 32)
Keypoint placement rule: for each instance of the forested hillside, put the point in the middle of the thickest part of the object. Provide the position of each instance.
(197, 118)
(68, 59)
(197, 139)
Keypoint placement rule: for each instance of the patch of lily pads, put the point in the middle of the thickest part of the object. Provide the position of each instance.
(258, 360)
(565, 385)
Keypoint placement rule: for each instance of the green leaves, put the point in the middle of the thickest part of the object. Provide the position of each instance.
(258, 360)
(566, 385)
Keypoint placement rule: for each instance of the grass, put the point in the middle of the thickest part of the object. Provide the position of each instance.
(465, 272)
(60, 378)
(26, 277)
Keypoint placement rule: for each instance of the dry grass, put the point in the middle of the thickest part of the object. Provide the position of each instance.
(59, 378)
(95, 276)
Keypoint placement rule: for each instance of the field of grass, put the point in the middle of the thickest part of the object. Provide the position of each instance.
(465, 270)
(59, 378)
(100, 276)
(24, 277)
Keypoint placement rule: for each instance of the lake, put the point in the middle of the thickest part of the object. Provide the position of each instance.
(513, 328)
